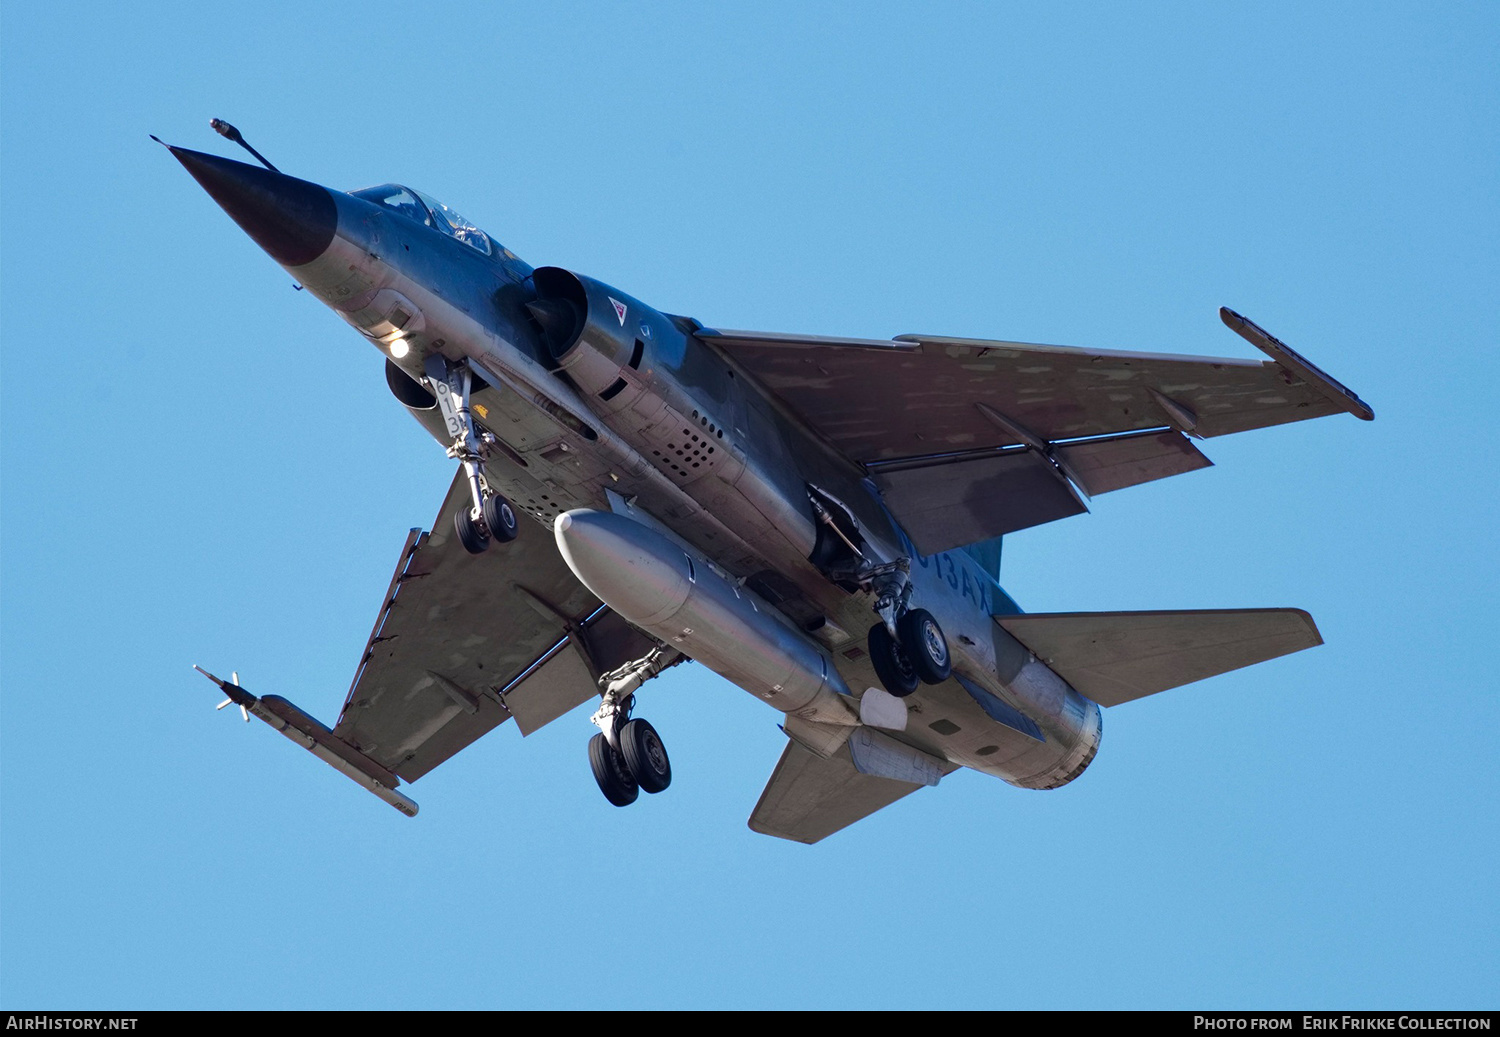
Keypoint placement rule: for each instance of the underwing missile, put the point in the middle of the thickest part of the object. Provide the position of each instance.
(317, 739)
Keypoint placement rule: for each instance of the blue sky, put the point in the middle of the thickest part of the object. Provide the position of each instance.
(202, 465)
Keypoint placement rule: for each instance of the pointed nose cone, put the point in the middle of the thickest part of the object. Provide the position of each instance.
(293, 220)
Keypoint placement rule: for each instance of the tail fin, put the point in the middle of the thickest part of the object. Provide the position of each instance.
(987, 554)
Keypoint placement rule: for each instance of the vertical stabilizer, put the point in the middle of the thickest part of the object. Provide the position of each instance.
(987, 554)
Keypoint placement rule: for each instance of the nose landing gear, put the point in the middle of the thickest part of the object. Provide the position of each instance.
(491, 516)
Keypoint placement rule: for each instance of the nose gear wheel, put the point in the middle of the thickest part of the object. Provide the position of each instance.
(470, 533)
(500, 518)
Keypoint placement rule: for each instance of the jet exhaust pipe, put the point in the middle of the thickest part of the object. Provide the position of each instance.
(677, 597)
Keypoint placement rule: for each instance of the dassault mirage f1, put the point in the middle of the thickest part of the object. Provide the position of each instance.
(817, 520)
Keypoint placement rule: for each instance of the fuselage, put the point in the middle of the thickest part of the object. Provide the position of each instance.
(644, 411)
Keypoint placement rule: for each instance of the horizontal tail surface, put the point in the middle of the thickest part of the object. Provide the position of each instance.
(1113, 657)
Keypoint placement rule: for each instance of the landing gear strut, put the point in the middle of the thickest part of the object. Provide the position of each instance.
(490, 516)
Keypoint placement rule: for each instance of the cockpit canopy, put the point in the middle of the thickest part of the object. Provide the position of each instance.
(426, 210)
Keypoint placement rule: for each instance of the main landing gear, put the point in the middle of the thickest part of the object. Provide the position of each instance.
(490, 517)
(640, 763)
(907, 647)
(627, 755)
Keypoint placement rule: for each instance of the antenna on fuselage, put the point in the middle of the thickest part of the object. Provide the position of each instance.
(223, 129)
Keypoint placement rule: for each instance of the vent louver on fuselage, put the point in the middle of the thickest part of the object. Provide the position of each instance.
(688, 454)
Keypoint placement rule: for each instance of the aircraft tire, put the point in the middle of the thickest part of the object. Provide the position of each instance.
(614, 778)
(892, 665)
(925, 646)
(474, 539)
(500, 517)
(645, 756)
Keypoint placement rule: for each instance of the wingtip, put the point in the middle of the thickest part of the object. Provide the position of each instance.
(1231, 319)
(1287, 357)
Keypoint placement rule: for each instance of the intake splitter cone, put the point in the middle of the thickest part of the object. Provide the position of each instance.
(293, 220)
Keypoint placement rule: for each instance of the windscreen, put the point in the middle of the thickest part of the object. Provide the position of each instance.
(398, 199)
(429, 212)
(454, 225)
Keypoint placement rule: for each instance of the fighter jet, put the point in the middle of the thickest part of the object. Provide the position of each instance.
(817, 520)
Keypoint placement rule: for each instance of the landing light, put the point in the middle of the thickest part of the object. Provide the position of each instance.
(399, 348)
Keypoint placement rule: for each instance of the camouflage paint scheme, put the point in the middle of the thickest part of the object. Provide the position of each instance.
(723, 439)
